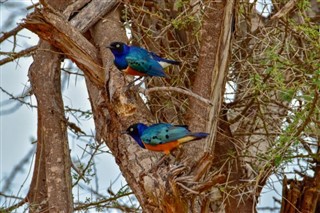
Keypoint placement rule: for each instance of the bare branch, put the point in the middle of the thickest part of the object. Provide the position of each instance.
(83, 172)
(284, 10)
(20, 99)
(22, 53)
(175, 89)
(11, 196)
(12, 32)
(15, 206)
(108, 200)
(75, 46)
(93, 12)
(6, 184)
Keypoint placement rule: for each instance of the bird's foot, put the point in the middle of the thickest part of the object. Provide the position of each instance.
(132, 83)
(154, 167)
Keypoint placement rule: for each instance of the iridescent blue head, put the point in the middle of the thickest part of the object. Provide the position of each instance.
(135, 131)
(120, 51)
(118, 48)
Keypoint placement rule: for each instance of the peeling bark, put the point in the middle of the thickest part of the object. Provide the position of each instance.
(301, 196)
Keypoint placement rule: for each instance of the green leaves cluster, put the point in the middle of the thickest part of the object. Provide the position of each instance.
(281, 59)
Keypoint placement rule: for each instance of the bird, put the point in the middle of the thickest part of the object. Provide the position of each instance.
(162, 137)
(138, 61)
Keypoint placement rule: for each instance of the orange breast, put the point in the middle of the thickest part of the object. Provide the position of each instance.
(130, 71)
(166, 147)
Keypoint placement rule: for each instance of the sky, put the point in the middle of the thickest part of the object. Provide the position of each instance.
(18, 122)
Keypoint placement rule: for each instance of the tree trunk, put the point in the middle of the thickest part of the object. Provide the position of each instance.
(301, 195)
(51, 188)
(114, 110)
(52, 175)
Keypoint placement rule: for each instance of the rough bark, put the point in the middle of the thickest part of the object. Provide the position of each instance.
(37, 194)
(52, 158)
(301, 196)
(114, 110)
(210, 83)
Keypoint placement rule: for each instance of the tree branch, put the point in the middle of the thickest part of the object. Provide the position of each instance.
(15, 206)
(94, 204)
(12, 32)
(20, 54)
(74, 45)
(52, 27)
(175, 89)
(83, 171)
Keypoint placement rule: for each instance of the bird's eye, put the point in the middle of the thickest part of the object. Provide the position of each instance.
(118, 45)
(131, 129)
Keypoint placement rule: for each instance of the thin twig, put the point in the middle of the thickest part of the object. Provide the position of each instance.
(188, 189)
(11, 196)
(12, 32)
(15, 206)
(82, 173)
(93, 204)
(175, 89)
(20, 54)
(76, 169)
(17, 98)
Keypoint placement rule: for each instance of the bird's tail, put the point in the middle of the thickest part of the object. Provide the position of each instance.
(173, 62)
(163, 61)
(193, 136)
(166, 62)
(199, 135)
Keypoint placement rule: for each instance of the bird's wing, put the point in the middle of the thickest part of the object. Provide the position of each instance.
(163, 133)
(140, 60)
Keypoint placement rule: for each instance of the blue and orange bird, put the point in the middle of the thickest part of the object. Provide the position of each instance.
(162, 137)
(138, 61)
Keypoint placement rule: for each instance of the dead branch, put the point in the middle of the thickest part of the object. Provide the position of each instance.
(175, 89)
(22, 53)
(74, 45)
(12, 32)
